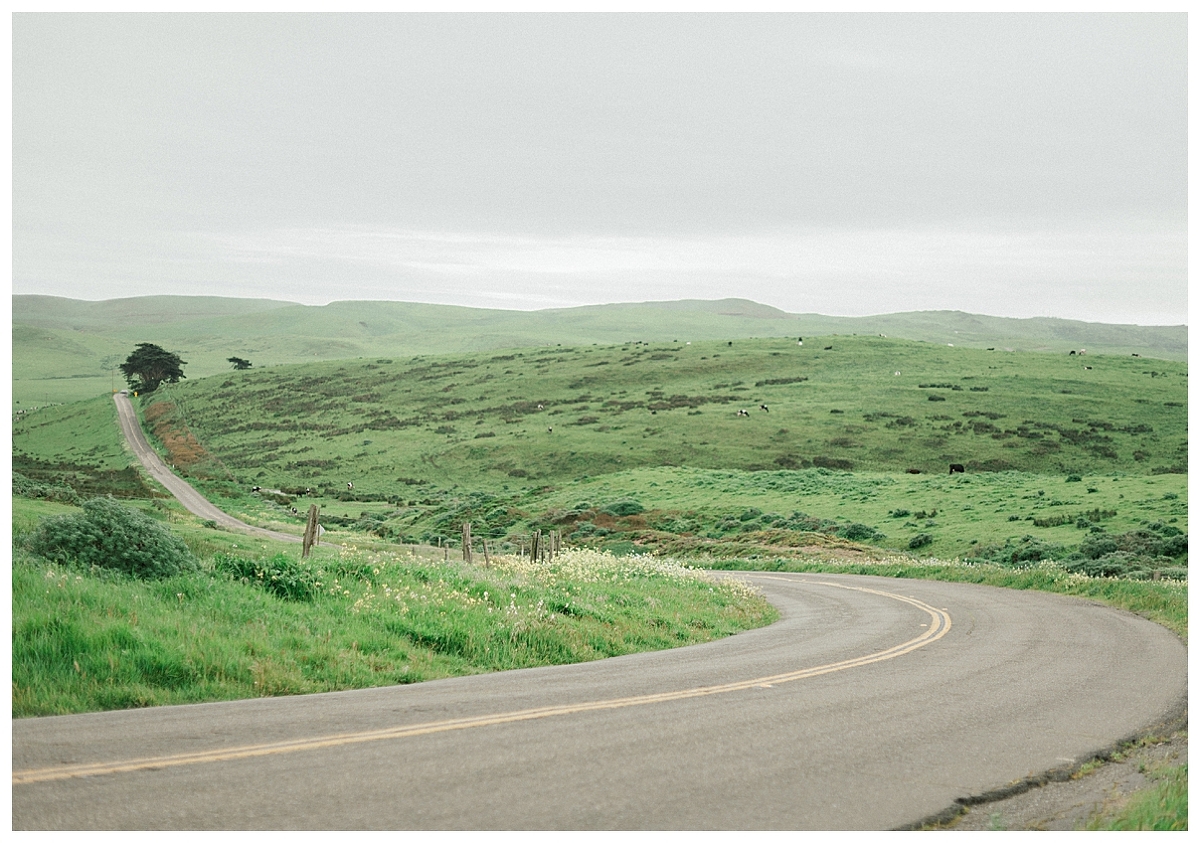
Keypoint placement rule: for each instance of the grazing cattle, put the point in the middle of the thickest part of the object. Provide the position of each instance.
(800, 341)
(540, 407)
(743, 413)
(1137, 355)
(1071, 354)
(829, 348)
(1088, 368)
(763, 407)
(550, 430)
(991, 349)
(896, 373)
(349, 486)
(957, 468)
(256, 489)
(913, 470)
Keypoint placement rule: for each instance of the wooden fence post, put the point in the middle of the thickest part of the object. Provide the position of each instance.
(466, 541)
(487, 561)
(311, 536)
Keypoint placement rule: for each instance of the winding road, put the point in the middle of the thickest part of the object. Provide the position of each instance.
(192, 500)
(873, 703)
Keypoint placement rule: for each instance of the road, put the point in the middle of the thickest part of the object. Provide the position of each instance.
(873, 704)
(192, 500)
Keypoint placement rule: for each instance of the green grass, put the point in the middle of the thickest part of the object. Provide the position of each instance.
(86, 640)
(1163, 807)
(1052, 450)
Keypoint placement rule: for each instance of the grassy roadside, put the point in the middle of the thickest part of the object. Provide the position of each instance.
(255, 621)
(1163, 807)
(1163, 601)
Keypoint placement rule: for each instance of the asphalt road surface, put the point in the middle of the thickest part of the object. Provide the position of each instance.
(873, 704)
(192, 500)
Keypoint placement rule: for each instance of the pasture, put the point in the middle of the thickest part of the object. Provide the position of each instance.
(641, 446)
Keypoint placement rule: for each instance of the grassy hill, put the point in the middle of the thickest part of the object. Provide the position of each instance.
(643, 443)
(65, 350)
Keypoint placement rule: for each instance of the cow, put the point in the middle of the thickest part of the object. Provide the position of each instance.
(763, 407)
(743, 413)
(956, 468)
(829, 348)
(349, 487)
(913, 470)
(800, 341)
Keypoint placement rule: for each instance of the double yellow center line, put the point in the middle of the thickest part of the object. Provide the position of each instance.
(939, 625)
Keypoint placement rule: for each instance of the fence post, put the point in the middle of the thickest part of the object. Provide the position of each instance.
(466, 541)
(487, 562)
(310, 532)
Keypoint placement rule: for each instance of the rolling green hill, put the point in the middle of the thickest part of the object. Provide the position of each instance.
(65, 350)
(642, 444)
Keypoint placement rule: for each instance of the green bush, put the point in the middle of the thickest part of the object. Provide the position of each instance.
(26, 488)
(281, 575)
(625, 507)
(919, 540)
(110, 535)
(857, 532)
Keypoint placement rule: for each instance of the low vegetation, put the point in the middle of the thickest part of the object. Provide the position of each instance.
(255, 621)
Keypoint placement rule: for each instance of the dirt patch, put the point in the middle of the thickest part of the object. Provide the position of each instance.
(1068, 805)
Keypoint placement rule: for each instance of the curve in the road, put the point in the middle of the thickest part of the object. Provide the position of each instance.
(939, 626)
(183, 492)
(1022, 683)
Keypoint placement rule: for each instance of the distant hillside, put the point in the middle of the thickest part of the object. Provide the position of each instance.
(65, 349)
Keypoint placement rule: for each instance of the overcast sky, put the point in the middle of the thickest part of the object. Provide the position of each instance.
(1012, 165)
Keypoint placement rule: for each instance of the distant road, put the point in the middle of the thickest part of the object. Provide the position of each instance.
(192, 500)
(874, 703)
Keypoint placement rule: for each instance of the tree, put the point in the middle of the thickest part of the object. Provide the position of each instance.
(149, 366)
(239, 363)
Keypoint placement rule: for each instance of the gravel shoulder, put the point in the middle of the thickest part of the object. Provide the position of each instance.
(1068, 805)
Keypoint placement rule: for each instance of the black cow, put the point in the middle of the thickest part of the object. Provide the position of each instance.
(913, 470)
(957, 468)
(763, 407)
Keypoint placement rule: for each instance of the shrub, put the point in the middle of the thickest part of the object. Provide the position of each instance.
(280, 575)
(26, 488)
(919, 540)
(109, 535)
(625, 507)
(857, 532)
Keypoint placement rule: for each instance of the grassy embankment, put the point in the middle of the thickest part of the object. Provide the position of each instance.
(256, 621)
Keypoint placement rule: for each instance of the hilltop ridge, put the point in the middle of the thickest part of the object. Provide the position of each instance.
(65, 349)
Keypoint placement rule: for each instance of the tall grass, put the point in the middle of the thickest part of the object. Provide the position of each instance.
(88, 641)
(1162, 807)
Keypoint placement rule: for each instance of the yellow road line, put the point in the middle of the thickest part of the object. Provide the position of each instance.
(937, 628)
